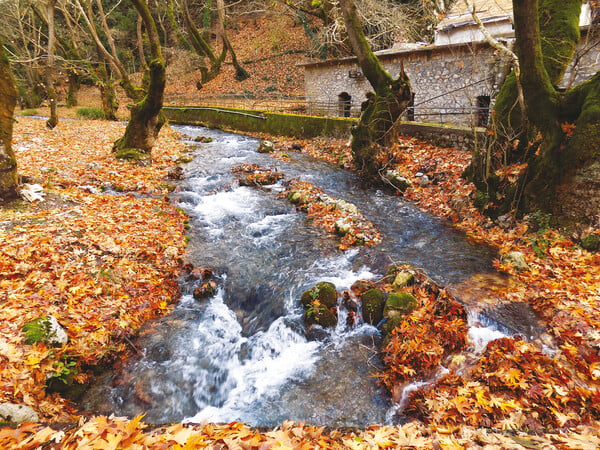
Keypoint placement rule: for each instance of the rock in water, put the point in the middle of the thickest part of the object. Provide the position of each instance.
(399, 304)
(266, 147)
(372, 306)
(515, 259)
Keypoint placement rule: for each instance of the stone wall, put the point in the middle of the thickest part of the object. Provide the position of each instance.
(450, 82)
(446, 80)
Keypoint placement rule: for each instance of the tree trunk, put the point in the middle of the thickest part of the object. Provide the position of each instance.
(560, 139)
(74, 86)
(146, 118)
(240, 73)
(376, 127)
(110, 102)
(53, 120)
(9, 186)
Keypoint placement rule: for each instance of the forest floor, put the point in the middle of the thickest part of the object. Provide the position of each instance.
(102, 252)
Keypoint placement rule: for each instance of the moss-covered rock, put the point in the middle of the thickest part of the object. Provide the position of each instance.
(318, 314)
(323, 291)
(294, 197)
(372, 306)
(591, 243)
(391, 324)
(266, 147)
(45, 329)
(399, 304)
(403, 279)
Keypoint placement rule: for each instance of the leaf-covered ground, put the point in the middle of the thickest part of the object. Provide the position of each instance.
(100, 262)
(103, 262)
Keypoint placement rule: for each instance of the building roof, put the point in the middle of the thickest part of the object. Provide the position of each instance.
(487, 10)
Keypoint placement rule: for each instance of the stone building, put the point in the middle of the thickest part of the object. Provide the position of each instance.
(454, 80)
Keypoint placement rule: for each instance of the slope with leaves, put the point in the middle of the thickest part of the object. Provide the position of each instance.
(101, 264)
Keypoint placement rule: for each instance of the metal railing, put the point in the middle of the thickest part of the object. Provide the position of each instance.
(465, 115)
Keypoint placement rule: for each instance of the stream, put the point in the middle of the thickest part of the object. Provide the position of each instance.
(244, 354)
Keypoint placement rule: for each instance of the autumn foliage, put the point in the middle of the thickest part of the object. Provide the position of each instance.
(102, 252)
(101, 263)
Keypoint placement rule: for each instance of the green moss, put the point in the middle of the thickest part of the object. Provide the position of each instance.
(29, 112)
(131, 154)
(295, 125)
(399, 303)
(323, 291)
(319, 314)
(591, 242)
(372, 306)
(391, 324)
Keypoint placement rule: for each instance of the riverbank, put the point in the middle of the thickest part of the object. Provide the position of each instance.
(88, 256)
(99, 250)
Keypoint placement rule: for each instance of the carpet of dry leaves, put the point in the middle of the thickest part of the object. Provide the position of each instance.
(104, 262)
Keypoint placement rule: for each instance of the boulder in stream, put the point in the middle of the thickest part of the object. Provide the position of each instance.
(399, 304)
(372, 306)
(266, 147)
(320, 304)
(323, 291)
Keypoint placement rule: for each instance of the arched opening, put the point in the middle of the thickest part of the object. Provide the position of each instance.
(344, 104)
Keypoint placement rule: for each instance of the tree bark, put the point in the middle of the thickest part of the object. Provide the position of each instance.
(560, 141)
(146, 118)
(52, 98)
(9, 185)
(376, 127)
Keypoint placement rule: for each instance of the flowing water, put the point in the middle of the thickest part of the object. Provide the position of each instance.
(244, 354)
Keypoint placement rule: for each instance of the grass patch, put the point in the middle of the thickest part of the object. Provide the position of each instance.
(30, 112)
(90, 113)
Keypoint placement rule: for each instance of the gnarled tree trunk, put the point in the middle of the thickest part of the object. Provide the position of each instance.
(146, 118)
(9, 186)
(558, 137)
(392, 96)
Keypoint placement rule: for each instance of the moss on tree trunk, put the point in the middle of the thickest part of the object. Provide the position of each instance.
(558, 135)
(377, 123)
(9, 187)
(146, 117)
